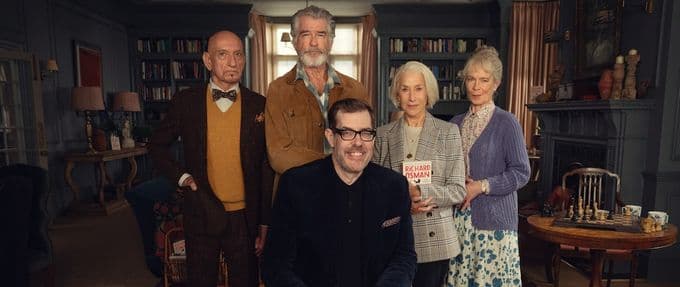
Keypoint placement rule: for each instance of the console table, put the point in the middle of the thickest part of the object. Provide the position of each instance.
(100, 159)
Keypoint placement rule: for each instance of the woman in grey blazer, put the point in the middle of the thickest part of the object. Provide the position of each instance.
(416, 145)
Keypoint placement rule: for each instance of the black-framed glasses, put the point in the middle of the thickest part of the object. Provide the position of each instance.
(350, 134)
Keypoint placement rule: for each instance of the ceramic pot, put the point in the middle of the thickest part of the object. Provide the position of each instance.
(99, 140)
(605, 84)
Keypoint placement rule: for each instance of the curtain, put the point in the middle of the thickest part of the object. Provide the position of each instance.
(530, 60)
(369, 56)
(258, 53)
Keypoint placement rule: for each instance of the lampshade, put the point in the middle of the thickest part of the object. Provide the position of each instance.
(87, 99)
(285, 37)
(126, 101)
(52, 66)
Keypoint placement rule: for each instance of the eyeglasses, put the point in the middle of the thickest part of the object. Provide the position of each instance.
(350, 134)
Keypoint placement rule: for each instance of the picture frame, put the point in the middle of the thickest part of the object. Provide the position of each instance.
(598, 34)
(88, 65)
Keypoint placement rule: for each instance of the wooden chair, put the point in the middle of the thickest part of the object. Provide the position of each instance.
(593, 180)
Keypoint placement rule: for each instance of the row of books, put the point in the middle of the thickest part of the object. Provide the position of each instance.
(435, 45)
(189, 46)
(154, 71)
(404, 45)
(157, 93)
(187, 70)
(439, 45)
(450, 92)
(181, 70)
(153, 45)
(163, 45)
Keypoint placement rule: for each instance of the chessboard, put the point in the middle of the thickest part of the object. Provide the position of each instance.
(620, 222)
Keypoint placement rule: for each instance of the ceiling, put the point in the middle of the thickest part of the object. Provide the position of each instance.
(286, 8)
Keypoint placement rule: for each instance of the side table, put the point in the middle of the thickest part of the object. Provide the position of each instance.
(100, 159)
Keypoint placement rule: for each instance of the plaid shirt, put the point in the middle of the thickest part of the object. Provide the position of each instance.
(333, 79)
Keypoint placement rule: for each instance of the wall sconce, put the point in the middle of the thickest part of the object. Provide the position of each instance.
(51, 68)
(285, 37)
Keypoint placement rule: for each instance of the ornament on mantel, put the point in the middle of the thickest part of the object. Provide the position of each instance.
(605, 84)
(618, 78)
(632, 59)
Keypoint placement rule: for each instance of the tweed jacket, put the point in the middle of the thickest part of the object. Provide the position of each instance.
(440, 142)
(294, 124)
(304, 240)
(499, 155)
(187, 118)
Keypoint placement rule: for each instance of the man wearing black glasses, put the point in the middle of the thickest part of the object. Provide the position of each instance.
(341, 220)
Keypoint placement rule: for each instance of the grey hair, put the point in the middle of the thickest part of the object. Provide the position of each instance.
(431, 85)
(486, 57)
(316, 13)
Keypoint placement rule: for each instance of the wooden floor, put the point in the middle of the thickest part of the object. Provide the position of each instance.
(106, 251)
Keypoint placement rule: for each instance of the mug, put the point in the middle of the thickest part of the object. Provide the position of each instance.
(634, 210)
(659, 216)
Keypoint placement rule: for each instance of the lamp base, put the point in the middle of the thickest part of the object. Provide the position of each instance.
(128, 143)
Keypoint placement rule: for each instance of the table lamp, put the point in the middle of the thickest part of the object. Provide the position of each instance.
(87, 99)
(126, 102)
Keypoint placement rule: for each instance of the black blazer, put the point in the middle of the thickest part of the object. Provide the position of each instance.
(301, 247)
(187, 119)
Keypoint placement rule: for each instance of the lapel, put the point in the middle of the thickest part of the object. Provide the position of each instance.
(202, 122)
(395, 145)
(428, 136)
(247, 120)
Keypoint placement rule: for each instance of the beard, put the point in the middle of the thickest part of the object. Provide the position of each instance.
(311, 61)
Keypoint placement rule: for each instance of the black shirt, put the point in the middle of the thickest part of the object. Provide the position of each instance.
(351, 216)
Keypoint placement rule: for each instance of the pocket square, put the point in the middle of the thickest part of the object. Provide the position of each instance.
(391, 221)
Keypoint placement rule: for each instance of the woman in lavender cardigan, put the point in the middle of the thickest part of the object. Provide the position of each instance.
(496, 166)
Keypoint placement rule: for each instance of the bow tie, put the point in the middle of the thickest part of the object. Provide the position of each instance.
(217, 94)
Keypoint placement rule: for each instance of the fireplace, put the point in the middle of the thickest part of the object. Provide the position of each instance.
(606, 134)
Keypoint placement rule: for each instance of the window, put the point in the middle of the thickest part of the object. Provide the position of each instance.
(344, 55)
(20, 124)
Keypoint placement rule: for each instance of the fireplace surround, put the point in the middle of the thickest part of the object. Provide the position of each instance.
(606, 134)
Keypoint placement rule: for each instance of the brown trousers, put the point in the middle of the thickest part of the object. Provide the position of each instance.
(203, 253)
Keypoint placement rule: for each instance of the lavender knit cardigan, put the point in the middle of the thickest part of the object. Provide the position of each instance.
(500, 156)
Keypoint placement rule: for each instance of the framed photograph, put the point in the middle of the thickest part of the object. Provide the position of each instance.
(598, 28)
(88, 65)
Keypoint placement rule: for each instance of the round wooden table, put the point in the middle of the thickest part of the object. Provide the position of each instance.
(597, 240)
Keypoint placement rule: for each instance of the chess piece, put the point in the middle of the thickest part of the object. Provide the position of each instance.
(632, 60)
(611, 215)
(570, 211)
(647, 225)
(618, 78)
(547, 210)
(580, 208)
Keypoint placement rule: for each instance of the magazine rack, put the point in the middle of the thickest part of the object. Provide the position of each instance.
(175, 270)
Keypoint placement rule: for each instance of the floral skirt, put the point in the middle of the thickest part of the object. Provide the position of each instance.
(487, 257)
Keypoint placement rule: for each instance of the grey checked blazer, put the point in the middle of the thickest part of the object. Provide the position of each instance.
(440, 142)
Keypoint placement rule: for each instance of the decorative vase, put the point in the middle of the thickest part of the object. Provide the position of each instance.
(99, 140)
(605, 84)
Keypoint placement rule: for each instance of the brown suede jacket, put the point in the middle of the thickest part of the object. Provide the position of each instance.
(294, 125)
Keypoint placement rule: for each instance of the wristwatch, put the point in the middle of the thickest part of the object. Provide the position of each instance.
(485, 186)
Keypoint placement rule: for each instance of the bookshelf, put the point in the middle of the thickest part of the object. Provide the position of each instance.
(444, 52)
(164, 65)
